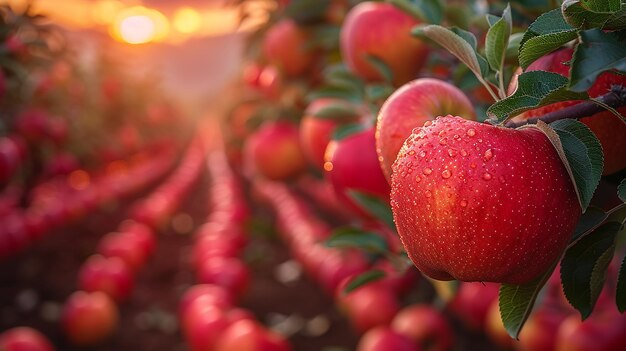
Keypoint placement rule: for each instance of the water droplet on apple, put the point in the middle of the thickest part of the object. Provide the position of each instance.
(427, 193)
(412, 152)
(446, 174)
(488, 155)
(473, 165)
(463, 153)
(502, 179)
(443, 141)
(428, 123)
(463, 203)
(471, 132)
(418, 179)
(487, 176)
(452, 152)
(427, 171)
(422, 153)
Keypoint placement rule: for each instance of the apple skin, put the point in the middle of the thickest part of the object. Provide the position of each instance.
(248, 335)
(368, 306)
(89, 318)
(227, 272)
(274, 151)
(384, 339)
(381, 30)
(24, 339)
(411, 106)
(475, 202)
(316, 133)
(608, 128)
(425, 326)
(110, 275)
(352, 164)
(286, 46)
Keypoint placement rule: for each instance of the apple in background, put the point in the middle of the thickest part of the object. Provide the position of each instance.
(10, 158)
(425, 326)
(32, 124)
(352, 164)
(333, 266)
(472, 302)
(274, 151)
(213, 246)
(368, 306)
(126, 246)
(316, 132)
(287, 46)
(609, 129)
(89, 318)
(110, 275)
(541, 329)
(495, 329)
(601, 331)
(411, 106)
(24, 339)
(227, 272)
(248, 335)
(202, 327)
(208, 294)
(385, 339)
(140, 233)
(381, 30)
(473, 209)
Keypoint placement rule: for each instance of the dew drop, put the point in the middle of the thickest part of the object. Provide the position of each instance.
(452, 152)
(471, 132)
(427, 171)
(456, 137)
(488, 155)
(463, 153)
(502, 179)
(416, 130)
(418, 179)
(446, 174)
(428, 123)
(473, 165)
(442, 133)
(412, 152)
(422, 153)
(443, 141)
(463, 203)
(487, 176)
(427, 193)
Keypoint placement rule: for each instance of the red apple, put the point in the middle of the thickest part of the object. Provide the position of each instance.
(247, 335)
(541, 329)
(472, 302)
(425, 326)
(474, 207)
(10, 158)
(209, 294)
(381, 30)
(24, 339)
(352, 164)
(110, 275)
(89, 318)
(598, 332)
(202, 327)
(227, 272)
(274, 151)
(126, 246)
(316, 132)
(410, 107)
(368, 306)
(32, 124)
(609, 129)
(140, 233)
(288, 47)
(495, 329)
(385, 339)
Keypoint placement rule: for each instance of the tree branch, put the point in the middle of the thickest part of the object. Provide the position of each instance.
(615, 98)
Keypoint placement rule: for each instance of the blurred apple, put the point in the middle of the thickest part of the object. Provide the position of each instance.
(89, 318)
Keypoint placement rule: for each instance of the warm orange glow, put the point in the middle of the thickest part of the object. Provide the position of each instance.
(140, 25)
(79, 179)
(187, 20)
(104, 11)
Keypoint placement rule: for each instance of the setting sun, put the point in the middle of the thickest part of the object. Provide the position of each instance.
(140, 25)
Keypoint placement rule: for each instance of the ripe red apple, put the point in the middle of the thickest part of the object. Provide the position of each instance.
(288, 47)
(32, 124)
(425, 326)
(472, 302)
(140, 233)
(227, 272)
(202, 327)
(410, 107)
(89, 318)
(352, 164)
(475, 202)
(598, 332)
(316, 132)
(24, 339)
(381, 30)
(248, 335)
(368, 306)
(609, 129)
(385, 339)
(209, 294)
(541, 329)
(274, 151)
(10, 158)
(110, 275)
(126, 246)
(495, 329)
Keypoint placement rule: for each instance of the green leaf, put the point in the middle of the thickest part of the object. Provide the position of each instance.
(378, 92)
(583, 268)
(620, 294)
(429, 11)
(337, 111)
(497, 40)
(603, 14)
(364, 278)
(621, 190)
(589, 221)
(535, 89)
(459, 43)
(517, 301)
(585, 160)
(381, 66)
(546, 34)
(512, 50)
(346, 130)
(375, 206)
(597, 52)
(355, 238)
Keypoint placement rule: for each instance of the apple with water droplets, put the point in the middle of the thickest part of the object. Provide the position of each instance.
(410, 107)
(477, 202)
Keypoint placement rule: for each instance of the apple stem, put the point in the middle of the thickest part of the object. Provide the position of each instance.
(613, 99)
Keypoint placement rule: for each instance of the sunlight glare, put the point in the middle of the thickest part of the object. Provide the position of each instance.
(187, 20)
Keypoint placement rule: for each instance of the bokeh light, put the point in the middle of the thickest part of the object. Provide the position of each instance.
(187, 20)
(140, 25)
